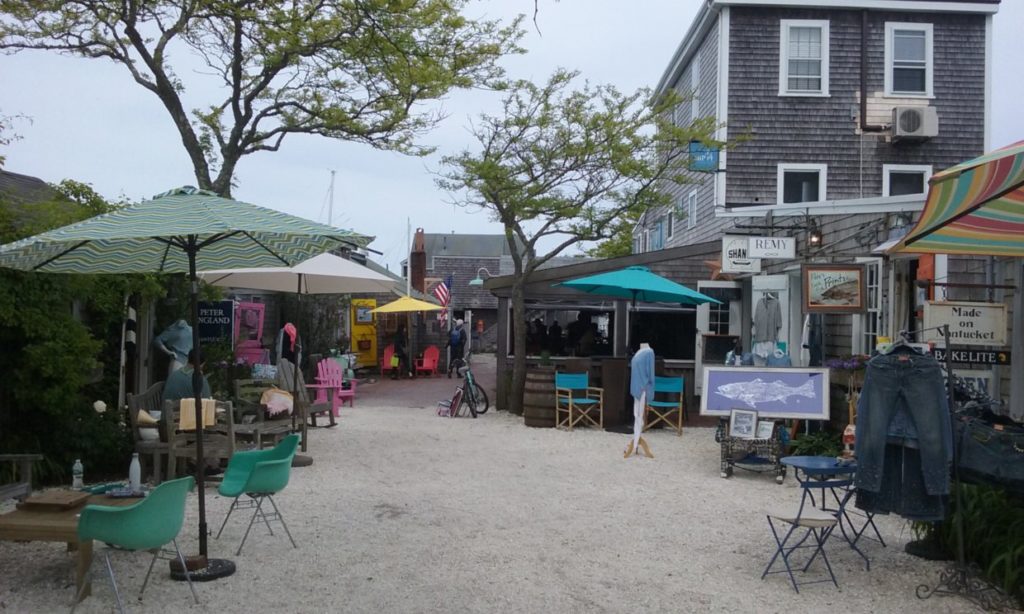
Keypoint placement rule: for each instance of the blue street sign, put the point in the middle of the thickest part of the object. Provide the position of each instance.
(703, 159)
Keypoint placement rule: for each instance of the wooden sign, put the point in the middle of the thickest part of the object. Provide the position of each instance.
(969, 323)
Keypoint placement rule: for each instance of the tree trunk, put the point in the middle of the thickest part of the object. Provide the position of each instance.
(515, 397)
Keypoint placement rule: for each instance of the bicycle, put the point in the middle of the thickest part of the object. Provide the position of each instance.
(473, 395)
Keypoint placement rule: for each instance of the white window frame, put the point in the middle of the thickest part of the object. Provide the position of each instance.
(691, 210)
(888, 169)
(784, 28)
(862, 328)
(785, 167)
(929, 69)
(695, 87)
(669, 223)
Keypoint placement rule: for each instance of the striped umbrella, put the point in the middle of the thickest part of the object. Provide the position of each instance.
(179, 231)
(976, 207)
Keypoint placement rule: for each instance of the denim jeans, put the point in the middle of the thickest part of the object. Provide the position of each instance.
(902, 491)
(912, 382)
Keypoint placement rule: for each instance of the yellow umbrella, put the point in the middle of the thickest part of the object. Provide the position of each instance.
(407, 304)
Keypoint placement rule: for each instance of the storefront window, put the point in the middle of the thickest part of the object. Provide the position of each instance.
(718, 319)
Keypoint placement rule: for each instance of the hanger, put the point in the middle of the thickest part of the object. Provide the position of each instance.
(902, 341)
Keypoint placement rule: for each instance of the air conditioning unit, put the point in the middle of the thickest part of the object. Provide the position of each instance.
(914, 123)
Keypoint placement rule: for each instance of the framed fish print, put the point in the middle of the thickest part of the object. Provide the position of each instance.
(774, 393)
(834, 288)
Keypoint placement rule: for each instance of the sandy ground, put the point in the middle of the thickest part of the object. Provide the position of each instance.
(404, 511)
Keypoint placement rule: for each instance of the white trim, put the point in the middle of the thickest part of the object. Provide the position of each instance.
(691, 210)
(876, 204)
(784, 27)
(722, 103)
(926, 169)
(929, 69)
(702, 23)
(988, 84)
(935, 6)
(784, 167)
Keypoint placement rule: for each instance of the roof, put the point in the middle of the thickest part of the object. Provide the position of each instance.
(707, 16)
(465, 245)
(18, 188)
(399, 289)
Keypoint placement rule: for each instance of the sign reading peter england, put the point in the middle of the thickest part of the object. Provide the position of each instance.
(969, 323)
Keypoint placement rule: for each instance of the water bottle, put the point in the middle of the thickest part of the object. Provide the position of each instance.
(76, 474)
(135, 474)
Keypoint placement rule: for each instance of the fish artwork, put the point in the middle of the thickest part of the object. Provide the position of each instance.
(841, 294)
(759, 391)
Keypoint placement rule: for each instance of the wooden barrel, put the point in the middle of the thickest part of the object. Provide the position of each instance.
(539, 397)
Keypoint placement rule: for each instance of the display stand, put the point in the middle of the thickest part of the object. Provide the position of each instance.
(960, 578)
(759, 455)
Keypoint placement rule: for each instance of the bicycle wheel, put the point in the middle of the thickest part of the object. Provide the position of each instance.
(482, 404)
(469, 401)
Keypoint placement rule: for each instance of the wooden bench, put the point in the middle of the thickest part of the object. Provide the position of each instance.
(23, 487)
(251, 423)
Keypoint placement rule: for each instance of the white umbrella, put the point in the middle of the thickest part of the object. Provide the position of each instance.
(323, 274)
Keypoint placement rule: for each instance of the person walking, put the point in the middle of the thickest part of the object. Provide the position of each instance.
(457, 343)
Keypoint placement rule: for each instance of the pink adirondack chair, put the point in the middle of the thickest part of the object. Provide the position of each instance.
(428, 364)
(330, 373)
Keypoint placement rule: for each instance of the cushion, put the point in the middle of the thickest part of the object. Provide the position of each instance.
(145, 418)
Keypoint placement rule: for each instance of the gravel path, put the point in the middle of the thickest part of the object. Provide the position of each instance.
(407, 512)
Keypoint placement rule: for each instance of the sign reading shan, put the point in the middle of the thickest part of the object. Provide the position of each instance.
(969, 323)
(772, 247)
(736, 255)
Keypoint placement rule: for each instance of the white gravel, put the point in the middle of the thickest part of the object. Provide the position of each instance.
(404, 511)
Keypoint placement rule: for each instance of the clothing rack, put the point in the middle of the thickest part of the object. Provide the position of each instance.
(959, 578)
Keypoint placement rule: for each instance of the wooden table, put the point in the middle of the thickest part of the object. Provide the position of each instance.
(57, 525)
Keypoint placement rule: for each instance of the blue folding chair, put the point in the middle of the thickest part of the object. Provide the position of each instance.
(578, 400)
(816, 526)
(667, 409)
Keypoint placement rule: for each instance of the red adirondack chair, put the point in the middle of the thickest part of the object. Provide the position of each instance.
(385, 363)
(428, 364)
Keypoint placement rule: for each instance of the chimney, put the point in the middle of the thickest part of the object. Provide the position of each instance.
(418, 261)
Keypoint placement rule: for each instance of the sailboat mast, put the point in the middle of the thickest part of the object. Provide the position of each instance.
(330, 202)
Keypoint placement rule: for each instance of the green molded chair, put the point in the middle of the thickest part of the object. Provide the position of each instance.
(259, 474)
(150, 524)
(671, 411)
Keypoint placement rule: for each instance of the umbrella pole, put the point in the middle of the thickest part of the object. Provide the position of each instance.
(295, 373)
(200, 568)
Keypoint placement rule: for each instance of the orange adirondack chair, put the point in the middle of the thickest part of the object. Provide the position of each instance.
(428, 364)
(385, 363)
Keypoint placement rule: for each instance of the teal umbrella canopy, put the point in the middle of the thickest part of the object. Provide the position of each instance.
(639, 284)
(156, 235)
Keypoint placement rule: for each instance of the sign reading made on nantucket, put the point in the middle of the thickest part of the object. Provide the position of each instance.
(969, 323)
(771, 247)
(736, 255)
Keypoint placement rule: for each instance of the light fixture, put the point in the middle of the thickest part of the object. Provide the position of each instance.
(479, 281)
(814, 238)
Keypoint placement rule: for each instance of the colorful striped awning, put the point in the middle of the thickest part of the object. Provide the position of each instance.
(976, 207)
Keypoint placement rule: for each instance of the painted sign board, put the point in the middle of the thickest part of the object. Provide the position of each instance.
(703, 159)
(980, 379)
(771, 247)
(978, 357)
(736, 257)
(969, 323)
(216, 320)
(771, 392)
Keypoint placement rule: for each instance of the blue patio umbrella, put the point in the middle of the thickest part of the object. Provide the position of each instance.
(639, 284)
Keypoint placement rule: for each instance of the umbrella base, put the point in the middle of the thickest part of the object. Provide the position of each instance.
(214, 569)
(301, 460)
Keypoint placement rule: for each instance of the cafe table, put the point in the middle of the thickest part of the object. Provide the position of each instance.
(830, 476)
(48, 523)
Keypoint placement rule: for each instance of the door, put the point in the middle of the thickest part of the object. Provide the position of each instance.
(717, 325)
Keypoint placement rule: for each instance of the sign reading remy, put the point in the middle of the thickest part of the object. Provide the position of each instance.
(772, 247)
(736, 255)
(969, 323)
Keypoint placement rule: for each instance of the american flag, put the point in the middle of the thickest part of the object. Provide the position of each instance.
(443, 293)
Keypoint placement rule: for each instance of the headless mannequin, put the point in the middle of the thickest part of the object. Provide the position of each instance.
(176, 342)
(641, 387)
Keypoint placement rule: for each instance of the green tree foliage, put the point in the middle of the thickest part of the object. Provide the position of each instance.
(620, 243)
(60, 336)
(566, 165)
(356, 70)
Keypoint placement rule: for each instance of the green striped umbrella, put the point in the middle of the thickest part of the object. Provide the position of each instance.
(177, 232)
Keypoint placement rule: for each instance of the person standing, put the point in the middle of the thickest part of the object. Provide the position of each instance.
(457, 343)
(402, 352)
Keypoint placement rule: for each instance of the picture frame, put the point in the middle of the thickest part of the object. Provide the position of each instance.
(834, 288)
(743, 424)
(765, 429)
(773, 392)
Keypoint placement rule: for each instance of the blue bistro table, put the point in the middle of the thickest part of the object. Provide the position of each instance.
(835, 477)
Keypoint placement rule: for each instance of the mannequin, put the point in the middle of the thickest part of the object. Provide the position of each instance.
(289, 346)
(641, 387)
(176, 342)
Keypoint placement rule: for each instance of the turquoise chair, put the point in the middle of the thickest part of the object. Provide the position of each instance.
(670, 411)
(259, 474)
(150, 524)
(577, 399)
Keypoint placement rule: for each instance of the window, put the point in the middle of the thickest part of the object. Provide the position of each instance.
(695, 87)
(668, 226)
(801, 183)
(691, 210)
(908, 59)
(871, 323)
(657, 235)
(718, 318)
(900, 179)
(803, 58)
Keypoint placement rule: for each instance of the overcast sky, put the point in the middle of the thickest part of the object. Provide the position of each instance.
(91, 123)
